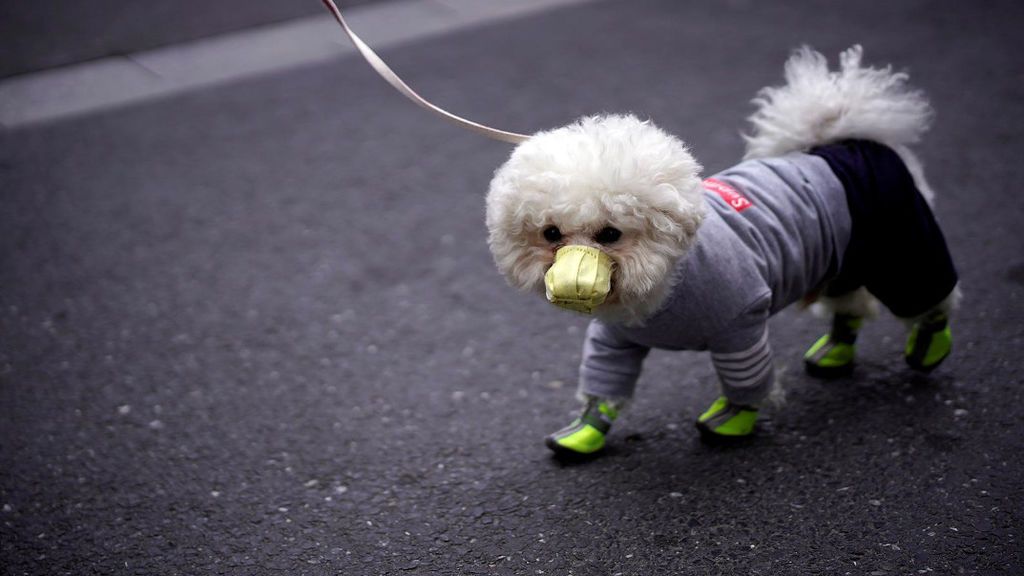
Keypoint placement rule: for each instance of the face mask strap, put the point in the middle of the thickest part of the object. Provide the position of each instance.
(389, 75)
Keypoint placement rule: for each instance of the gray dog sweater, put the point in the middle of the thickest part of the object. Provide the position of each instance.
(775, 230)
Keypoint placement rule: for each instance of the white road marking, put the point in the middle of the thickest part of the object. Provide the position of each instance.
(117, 81)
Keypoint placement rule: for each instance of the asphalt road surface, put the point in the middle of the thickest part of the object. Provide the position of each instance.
(255, 329)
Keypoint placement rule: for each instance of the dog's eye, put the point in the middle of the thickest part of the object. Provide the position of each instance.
(552, 234)
(608, 235)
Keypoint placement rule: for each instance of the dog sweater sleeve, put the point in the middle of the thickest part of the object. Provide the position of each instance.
(611, 363)
(742, 355)
(746, 376)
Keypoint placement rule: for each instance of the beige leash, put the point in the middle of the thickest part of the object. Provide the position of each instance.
(389, 75)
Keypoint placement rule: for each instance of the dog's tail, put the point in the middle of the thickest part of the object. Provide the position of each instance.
(817, 106)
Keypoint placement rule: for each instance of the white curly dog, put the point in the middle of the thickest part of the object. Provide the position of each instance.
(610, 216)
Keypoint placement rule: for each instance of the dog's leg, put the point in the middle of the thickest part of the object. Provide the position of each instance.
(608, 375)
(930, 340)
(747, 377)
(833, 354)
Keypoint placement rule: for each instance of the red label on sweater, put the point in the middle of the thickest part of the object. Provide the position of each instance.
(731, 196)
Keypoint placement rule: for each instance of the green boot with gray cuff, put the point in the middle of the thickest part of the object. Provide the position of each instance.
(833, 354)
(585, 436)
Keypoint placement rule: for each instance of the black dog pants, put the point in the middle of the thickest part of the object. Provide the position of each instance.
(896, 248)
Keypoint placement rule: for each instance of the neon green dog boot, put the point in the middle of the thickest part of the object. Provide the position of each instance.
(725, 420)
(586, 434)
(929, 343)
(833, 354)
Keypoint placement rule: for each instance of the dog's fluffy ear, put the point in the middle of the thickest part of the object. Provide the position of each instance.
(681, 217)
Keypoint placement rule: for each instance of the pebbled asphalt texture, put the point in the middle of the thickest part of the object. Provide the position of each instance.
(255, 329)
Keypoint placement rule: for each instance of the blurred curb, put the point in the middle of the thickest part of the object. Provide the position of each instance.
(117, 81)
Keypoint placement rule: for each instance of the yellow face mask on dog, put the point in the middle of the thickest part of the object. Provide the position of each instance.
(580, 279)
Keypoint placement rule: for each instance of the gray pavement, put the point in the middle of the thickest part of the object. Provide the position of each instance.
(255, 329)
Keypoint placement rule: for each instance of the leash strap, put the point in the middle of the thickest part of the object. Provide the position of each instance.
(389, 75)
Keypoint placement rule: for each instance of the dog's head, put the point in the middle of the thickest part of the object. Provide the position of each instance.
(623, 190)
